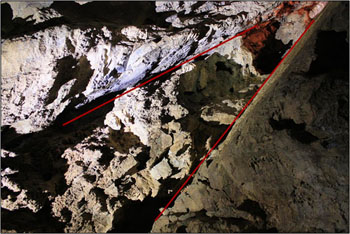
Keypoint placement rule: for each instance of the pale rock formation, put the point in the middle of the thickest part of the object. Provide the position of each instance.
(21, 200)
(92, 185)
(222, 118)
(82, 2)
(133, 33)
(174, 6)
(29, 63)
(140, 113)
(33, 11)
(295, 22)
(235, 51)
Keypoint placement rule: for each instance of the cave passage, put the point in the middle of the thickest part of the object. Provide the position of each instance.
(332, 51)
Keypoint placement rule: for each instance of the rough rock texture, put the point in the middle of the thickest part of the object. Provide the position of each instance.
(284, 167)
(112, 170)
(102, 60)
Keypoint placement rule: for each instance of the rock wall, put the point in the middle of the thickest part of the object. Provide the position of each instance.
(284, 166)
(112, 170)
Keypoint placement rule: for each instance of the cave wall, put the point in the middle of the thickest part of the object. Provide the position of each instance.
(285, 165)
(114, 169)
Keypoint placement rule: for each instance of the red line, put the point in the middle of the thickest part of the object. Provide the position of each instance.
(240, 113)
(156, 77)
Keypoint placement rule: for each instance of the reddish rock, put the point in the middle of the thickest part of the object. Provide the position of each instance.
(255, 39)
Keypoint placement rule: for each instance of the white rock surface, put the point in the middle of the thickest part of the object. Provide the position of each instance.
(32, 11)
(90, 181)
(12, 202)
(28, 62)
(139, 113)
(222, 118)
(162, 170)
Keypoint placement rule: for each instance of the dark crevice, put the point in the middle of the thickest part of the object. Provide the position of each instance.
(181, 229)
(65, 72)
(182, 150)
(6, 19)
(160, 157)
(95, 14)
(155, 86)
(332, 51)
(124, 183)
(82, 72)
(270, 56)
(122, 141)
(201, 131)
(331, 66)
(142, 159)
(90, 178)
(165, 117)
(101, 197)
(205, 182)
(174, 171)
(5, 193)
(101, 13)
(19, 27)
(138, 216)
(209, 161)
(267, 50)
(42, 221)
(107, 154)
(147, 104)
(220, 66)
(296, 131)
(66, 214)
(67, 69)
(253, 208)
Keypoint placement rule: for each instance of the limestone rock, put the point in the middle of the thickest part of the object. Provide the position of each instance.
(161, 170)
(33, 11)
(37, 91)
(282, 167)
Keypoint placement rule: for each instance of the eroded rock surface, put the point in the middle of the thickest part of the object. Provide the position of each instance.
(284, 167)
(112, 170)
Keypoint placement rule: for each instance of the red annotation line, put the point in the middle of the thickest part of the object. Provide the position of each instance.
(156, 77)
(240, 113)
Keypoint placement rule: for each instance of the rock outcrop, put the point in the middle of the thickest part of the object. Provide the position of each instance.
(283, 166)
